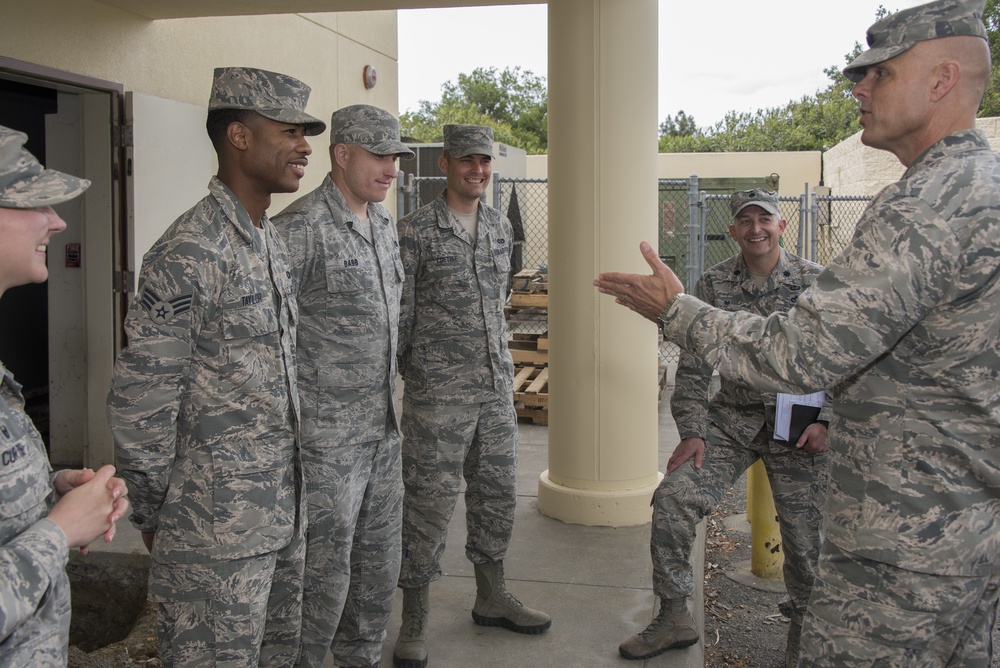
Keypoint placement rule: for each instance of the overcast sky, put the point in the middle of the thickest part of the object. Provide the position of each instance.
(714, 56)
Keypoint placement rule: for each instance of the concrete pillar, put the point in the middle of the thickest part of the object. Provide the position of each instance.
(603, 463)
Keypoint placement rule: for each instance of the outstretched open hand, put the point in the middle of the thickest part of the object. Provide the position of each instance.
(646, 295)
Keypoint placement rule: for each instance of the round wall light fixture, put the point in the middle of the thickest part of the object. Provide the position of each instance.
(370, 77)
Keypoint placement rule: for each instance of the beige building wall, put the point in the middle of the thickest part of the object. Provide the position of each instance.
(168, 66)
(794, 169)
(851, 168)
(174, 58)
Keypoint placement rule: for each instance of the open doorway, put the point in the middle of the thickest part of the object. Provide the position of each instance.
(58, 338)
(24, 339)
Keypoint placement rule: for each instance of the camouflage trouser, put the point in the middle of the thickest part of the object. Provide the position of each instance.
(440, 444)
(355, 500)
(798, 485)
(866, 613)
(244, 612)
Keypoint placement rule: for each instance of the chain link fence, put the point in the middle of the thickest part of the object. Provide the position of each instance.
(694, 226)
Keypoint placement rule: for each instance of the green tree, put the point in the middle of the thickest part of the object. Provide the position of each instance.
(514, 102)
(991, 100)
(815, 122)
(682, 126)
(812, 123)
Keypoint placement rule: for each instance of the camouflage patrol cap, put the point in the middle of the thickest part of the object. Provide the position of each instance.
(765, 199)
(373, 129)
(276, 96)
(463, 140)
(899, 32)
(24, 183)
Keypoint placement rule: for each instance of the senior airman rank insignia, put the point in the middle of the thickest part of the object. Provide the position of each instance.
(162, 311)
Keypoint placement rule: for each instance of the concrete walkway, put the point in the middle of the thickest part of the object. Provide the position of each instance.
(595, 582)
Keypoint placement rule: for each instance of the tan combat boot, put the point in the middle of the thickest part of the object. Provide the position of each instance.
(495, 606)
(672, 628)
(411, 646)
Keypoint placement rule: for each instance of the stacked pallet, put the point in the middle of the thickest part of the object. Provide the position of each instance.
(531, 393)
(527, 323)
(528, 309)
(527, 314)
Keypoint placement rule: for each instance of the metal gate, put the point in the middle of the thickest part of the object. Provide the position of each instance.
(693, 225)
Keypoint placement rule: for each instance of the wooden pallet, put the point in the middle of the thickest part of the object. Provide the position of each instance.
(529, 348)
(531, 393)
(539, 300)
(530, 281)
(530, 290)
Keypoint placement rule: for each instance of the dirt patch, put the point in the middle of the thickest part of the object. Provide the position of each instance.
(743, 627)
(112, 625)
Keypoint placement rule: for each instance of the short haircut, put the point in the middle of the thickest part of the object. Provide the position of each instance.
(219, 121)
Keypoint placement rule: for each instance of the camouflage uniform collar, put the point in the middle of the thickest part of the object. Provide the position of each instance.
(447, 221)
(234, 210)
(957, 142)
(335, 198)
(782, 272)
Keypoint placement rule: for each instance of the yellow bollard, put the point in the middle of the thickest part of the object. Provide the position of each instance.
(766, 555)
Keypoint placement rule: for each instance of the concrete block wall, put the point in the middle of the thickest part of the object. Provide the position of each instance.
(851, 168)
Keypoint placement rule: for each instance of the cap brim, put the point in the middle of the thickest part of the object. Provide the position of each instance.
(390, 148)
(855, 71)
(770, 208)
(46, 189)
(476, 150)
(313, 126)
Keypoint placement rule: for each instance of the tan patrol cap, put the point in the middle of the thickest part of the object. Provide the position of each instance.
(463, 140)
(765, 199)
(272, 95)
(24, 183)
(372, 128)
(899, 32)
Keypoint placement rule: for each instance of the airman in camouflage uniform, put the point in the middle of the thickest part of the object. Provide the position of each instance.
(458, 410)
(203, 403)
(42, 515)
(905, 325)
(722, 437)
(348, 276)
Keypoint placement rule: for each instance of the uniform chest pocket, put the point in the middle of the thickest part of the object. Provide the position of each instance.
(247, 322)
(727, 301)
(346, 279)
(787, 296)
(501, 260)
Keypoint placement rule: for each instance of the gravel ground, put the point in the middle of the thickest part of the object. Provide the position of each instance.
(743, 627)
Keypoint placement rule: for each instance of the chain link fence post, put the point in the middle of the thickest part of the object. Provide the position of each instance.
(695, 245)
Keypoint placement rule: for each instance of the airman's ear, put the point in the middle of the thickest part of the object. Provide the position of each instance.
(946, 76)
(340, 154)
(238, 135)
